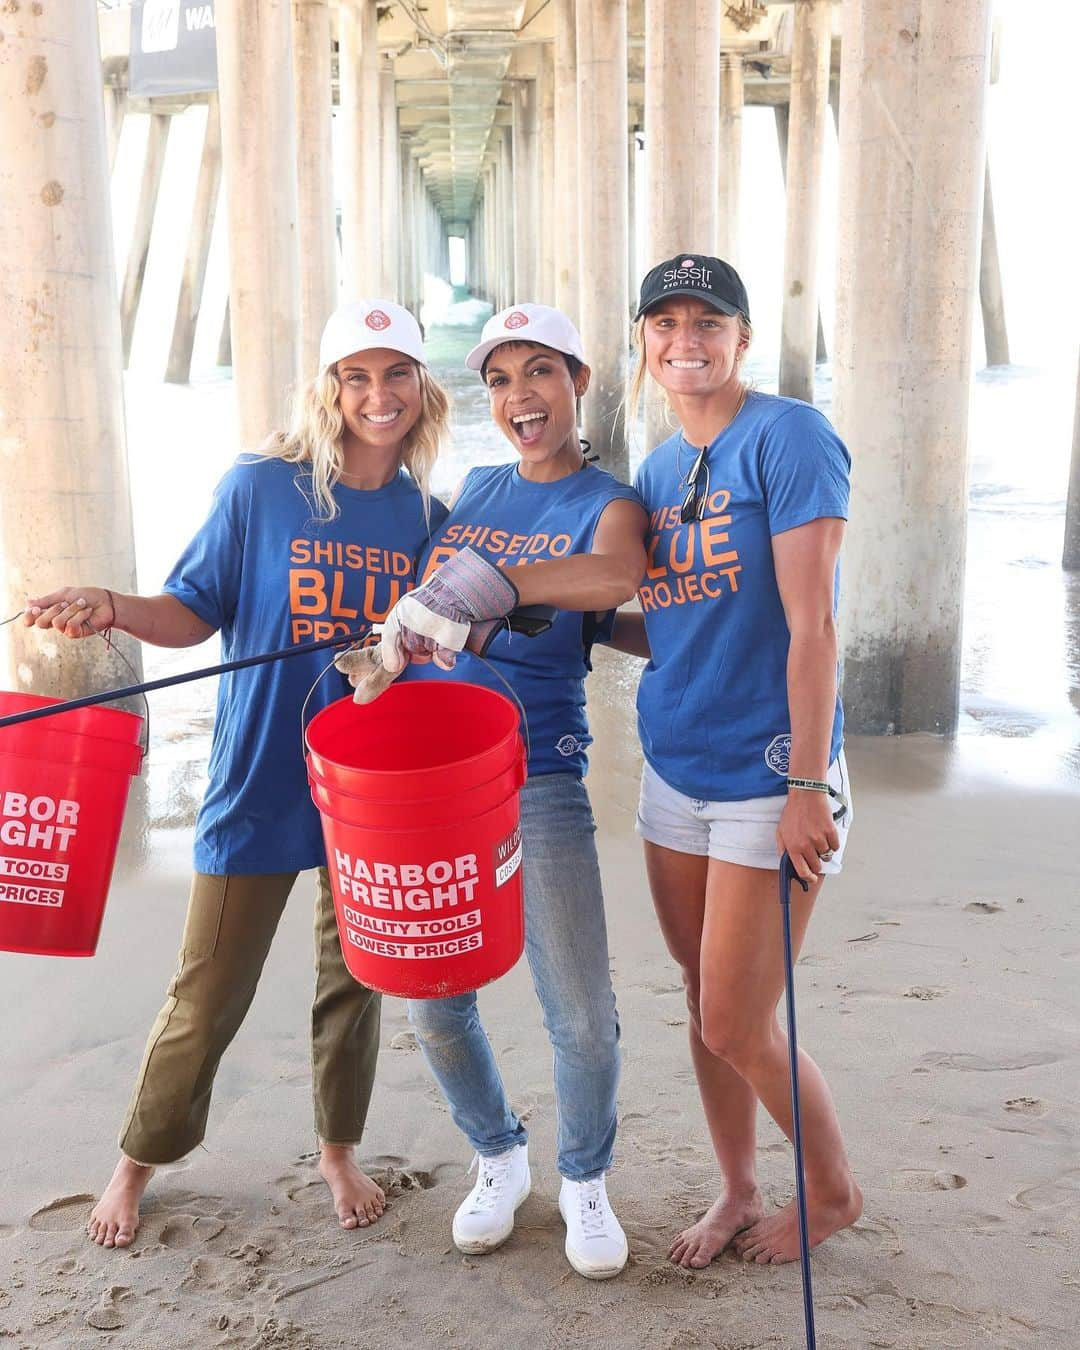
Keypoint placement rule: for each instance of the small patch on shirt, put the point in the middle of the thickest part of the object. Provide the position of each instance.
(778, 754)
(569, 745)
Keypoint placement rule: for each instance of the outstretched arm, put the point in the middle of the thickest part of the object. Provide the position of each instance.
(80, 611)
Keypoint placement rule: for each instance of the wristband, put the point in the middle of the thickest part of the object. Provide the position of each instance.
(816, 785)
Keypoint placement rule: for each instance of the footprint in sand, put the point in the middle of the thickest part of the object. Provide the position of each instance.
(984, 907)
(65, 1215)
(1063, 1191)
(187, 1230)
(925, 992)
(1028, 1106)
(106, 1316)
(199, 1276)
(922, 1179)
(941, 1059)
(404, 1040)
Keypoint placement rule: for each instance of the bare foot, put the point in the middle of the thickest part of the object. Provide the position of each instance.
(776, 1239)
(115, 1218)
(357, 1199)
(703, 1241)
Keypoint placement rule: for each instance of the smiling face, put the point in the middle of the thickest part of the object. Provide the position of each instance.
(533, 400)
(380, 397)
(691, 349)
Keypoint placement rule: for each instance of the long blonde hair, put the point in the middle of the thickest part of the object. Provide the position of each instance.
(315, 433)
(637, 379)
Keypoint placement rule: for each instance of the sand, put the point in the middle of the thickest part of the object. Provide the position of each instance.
(939, 990)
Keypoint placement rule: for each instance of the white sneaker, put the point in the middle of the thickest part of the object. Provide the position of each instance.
(595, 1242)
(485, 1218)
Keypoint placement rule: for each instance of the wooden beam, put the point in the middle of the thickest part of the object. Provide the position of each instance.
(178, 369)
(144, 224)
(991, 295)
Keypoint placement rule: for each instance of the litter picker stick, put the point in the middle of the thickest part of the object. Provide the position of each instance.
(787, 876)
(531, 620)
(108, 695)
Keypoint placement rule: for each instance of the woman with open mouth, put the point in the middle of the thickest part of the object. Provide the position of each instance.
(548, 528)
(742, 729)
(313, 535)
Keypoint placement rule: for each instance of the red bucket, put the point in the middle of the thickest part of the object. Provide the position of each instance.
(418, 794)
(63, 787)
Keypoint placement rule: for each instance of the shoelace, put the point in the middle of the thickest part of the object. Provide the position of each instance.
(492, 1178)
(592, 1209)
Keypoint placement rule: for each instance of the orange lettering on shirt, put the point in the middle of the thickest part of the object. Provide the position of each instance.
(307, 591)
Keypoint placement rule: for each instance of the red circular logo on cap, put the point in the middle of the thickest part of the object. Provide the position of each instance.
(377, 320)
(688, 262)
(516, 320)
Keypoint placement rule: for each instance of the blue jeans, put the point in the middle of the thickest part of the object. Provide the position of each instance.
(566, 947)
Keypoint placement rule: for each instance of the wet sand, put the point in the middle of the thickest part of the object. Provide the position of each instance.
(938, 989)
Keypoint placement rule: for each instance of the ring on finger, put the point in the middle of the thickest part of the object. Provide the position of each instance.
(826, 856)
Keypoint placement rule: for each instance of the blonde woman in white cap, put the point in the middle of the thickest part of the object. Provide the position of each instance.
(580, 531)
(312, 536)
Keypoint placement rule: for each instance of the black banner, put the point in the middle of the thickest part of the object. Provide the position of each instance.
(173, 48)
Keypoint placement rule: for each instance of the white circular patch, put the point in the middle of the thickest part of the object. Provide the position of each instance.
(569, 745)
(778, 754)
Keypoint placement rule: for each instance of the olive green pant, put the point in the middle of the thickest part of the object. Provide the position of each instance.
(231, 921)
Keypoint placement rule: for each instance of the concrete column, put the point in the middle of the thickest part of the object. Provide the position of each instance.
(258, 138)
(991, 295)
(731, 108)
(912, 160)
(682, 124)
(601, 51)
(526, 195)
(782, 113)
(224, 351)
(115, 111)
(65, 512)
(139, 248)
(635, 117)
(565, 187)
(390, 187)
(1070, 558)
(491, 215)
(316, 227)
(809, 112)
(507, 294)
(178, 368)
(361, 222)
(546, 81)
(410, 271)
(682, 132)
(476, 263)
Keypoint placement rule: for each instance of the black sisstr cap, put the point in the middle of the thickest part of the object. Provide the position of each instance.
(709, 279)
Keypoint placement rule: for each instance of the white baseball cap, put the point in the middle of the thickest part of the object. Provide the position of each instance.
(527, 323)
(363, 324)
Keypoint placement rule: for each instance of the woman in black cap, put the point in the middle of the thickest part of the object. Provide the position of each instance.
(741, 727)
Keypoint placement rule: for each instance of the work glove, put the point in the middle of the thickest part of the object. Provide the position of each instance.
(369, 678)
(435, 619)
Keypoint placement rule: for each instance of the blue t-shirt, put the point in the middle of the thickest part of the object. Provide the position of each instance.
(712, 705)
(508, 520)
(269, 575)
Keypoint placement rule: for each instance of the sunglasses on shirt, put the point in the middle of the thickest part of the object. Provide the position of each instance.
(697, 490)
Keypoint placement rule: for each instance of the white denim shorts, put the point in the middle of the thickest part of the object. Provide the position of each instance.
(734, 832)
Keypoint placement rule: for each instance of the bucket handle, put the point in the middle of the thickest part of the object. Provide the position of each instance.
(483, 661)
(315, 685)
(106, 636)
(513, 694)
